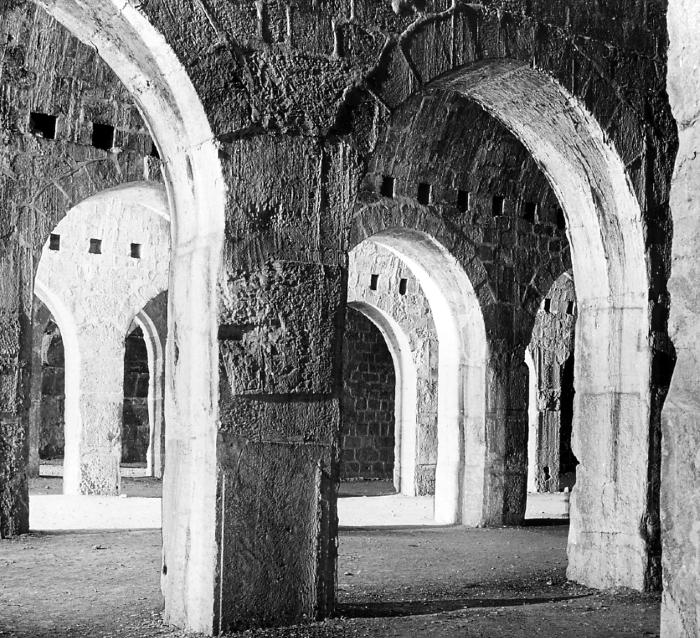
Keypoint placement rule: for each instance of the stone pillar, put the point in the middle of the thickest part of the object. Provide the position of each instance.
(15, 354)
(277, 448)
(94, 411)
(680, 479)
(506, 436)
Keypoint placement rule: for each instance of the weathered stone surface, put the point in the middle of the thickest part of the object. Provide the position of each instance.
(552, 463)
(680, 482)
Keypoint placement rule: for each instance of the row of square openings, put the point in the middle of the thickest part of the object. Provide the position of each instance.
(44, 125)
(547, 307)
(424, 195)
(95, 246)
(374, 280)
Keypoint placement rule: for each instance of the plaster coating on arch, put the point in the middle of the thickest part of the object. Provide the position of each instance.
(459, 477)
(160, 86)
(605, 232)
(680, 476)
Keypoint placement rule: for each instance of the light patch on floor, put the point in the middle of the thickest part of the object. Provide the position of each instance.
(59, 512)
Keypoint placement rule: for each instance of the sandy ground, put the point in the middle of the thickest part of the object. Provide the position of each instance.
(392, 581)
(401, 582)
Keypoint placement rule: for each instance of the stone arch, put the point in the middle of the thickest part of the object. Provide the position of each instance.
(405, 401)
(606, 235)
(102, 292)
(162, 89)
(459, 479)
(156, 367)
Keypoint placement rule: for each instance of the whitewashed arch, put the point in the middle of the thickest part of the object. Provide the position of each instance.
(163, 91)
(613, 366)
(459, 476)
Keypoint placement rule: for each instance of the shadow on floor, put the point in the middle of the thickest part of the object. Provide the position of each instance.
(395, 609)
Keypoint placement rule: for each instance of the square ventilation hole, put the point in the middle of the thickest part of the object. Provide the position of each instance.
(464, 200)
(95, 247)
(547, 305)
(102, 136)
(570, 308)
(424, 193)
(530, 212)
(42, 125)
(136, 251)
(374, 279)
(54, 242)
(403, 284)
(497, 205)
(387, 188)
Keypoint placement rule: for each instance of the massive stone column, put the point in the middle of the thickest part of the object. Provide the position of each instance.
(680, 478)
(279, 344)
(94, 399)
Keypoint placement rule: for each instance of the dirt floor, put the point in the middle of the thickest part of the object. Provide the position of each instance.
(433, 582)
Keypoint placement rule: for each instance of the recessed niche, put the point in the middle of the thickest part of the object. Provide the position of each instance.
(497, 205)
(102, 136)
(530, 212)
(42, 125)
(464, 200)
(403, 284)
(387, 188)
(154, 151)
(424, 193)
(95, 246)
(373, 280)
(570, 308)
(54, 242)
(547, 305)
(136, 251)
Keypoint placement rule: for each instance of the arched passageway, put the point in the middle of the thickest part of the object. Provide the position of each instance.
(461, 337)
(404, 399)
(605, 232)
(103, 262)
(369, 393)
(537, 109)
(161, 88)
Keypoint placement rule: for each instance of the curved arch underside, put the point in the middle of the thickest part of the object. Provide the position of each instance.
(606, 235)
(160, 86)
(461, 457)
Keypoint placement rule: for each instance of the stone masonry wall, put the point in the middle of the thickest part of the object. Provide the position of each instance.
(369, 386)
(552, 350)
